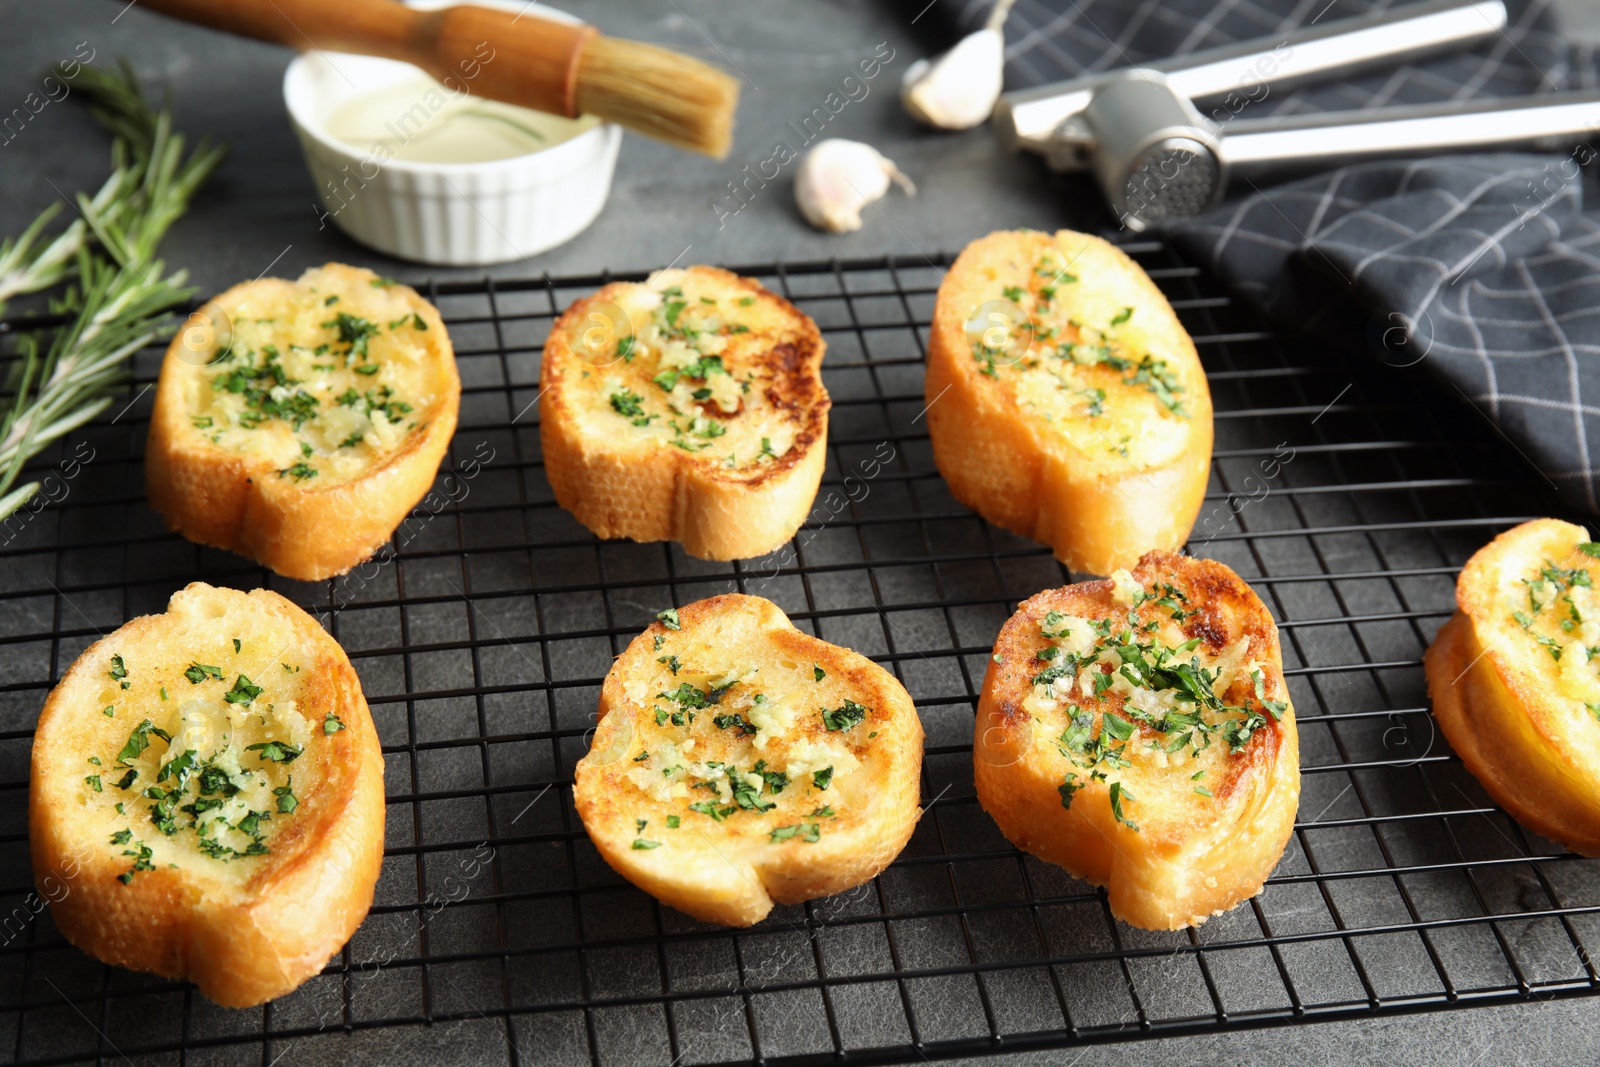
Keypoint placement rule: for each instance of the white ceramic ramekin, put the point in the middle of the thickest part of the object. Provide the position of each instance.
(454, 214)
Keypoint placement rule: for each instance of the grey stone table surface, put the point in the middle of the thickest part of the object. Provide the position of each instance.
(260, 212)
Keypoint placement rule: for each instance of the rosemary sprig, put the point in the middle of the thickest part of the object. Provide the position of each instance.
(121, 298)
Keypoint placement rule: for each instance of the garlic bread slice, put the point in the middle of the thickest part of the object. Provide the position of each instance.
(1065, 400)
(689, 408)
(1515, 678)
(297, 423)
(207, 785)
(1138, 732)
(739, 762)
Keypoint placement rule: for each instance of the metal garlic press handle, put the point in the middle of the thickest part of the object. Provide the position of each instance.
(1030, 119)
(1255, 147)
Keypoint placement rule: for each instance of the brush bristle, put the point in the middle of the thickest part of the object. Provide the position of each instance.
(659, 93)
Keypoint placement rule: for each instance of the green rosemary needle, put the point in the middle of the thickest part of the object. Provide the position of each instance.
(120, 297)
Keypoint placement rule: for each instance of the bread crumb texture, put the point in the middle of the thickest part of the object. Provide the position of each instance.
(739, 761)
(298, 422)
(1065, 400)
(217, 760)
(1515, 678)
(686, 407)
(1138, 731)
(321, 377)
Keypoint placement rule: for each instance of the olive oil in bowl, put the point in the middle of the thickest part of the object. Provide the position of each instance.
(420, 121)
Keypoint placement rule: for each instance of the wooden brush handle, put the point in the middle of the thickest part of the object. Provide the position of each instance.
(520, 59)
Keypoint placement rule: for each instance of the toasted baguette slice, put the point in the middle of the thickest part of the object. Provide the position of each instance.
(240, 854)
(1515, 678)
(739, 762)
(1065, 401)
(1182, 805)
(688, 408)
(298, 422)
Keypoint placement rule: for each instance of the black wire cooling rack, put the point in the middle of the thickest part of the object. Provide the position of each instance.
(498, 935)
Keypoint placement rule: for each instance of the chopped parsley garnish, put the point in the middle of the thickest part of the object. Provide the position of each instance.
(287, 801)
(243, 691)
(139, 740)
(275, 751)
(1118, 795)
(843, 718)
(353, 331)
(300, 471)
(821, 779)
(266, 392)
(141, 862)
(734, 722)
(808, 831)
(692, 696)
(641, 843)
(626, 402)
(777, 781)
(1122, 316)
(119, 670)
(669, 619)
(707, 807)
(673, 822)
(1068, 788)
(819, 672)
(93, 781)
(331, 725)
(199, 672)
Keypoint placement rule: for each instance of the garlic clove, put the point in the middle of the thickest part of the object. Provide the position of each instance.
(838, 178)
(958, 90)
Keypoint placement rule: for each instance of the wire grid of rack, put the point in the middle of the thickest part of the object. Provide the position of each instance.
(497, 935)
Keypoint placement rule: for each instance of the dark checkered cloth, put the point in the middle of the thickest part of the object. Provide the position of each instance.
(1483, 271)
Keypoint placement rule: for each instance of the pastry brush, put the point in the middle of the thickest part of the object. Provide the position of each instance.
(557, 67)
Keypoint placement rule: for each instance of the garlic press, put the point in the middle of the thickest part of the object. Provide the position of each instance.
(1157, 155)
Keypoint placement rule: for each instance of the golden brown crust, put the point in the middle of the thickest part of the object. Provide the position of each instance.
(1192, 855)
(728, 869)
(1075, 490)
(624, 484)
(244, 930)
(304, 530)
(1514, 713)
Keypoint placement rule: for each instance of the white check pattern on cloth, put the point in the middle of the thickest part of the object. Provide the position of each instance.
(1482, 270)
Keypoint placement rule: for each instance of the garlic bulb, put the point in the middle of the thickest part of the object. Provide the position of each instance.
(838, 178)
(958, 90)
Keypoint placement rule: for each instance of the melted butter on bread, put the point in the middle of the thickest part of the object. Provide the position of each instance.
(739, 762)
(194, 762)
(696, 373)
(1081, 364)
(1515, 678)
(1065, 400)
(1138, 732)
(689, 407)
(210, 783)
(323, 378)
